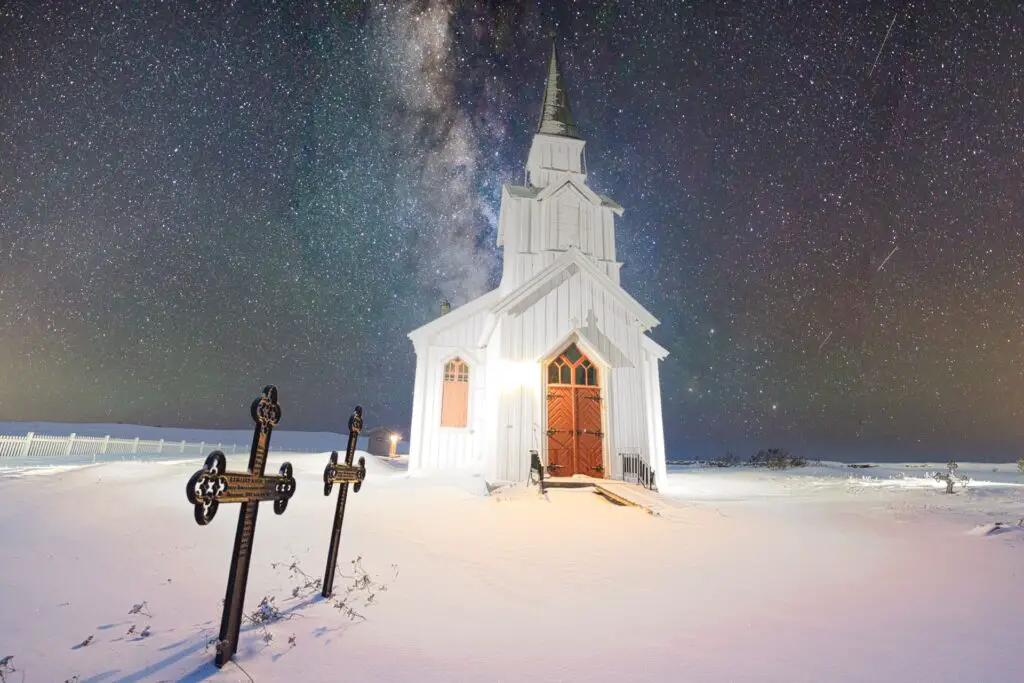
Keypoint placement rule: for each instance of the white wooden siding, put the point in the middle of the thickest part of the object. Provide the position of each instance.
(659, 460)
(433, 447)
(446, 448)
(417, 456)
(538, 232)
(628, 411)
(535, 335)
(465, 335)
(550, 319)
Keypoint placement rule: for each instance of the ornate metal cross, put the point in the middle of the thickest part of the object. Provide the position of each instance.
(213, 485)
(342, 475)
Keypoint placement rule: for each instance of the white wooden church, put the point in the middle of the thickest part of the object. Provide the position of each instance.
(556, 359)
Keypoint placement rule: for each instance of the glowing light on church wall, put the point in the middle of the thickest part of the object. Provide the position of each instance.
(513, 375)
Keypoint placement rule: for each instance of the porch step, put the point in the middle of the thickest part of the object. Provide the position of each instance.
(614, 491)
(569, 482)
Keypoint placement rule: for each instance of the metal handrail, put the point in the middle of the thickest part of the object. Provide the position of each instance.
(636, 470)
(537, 468)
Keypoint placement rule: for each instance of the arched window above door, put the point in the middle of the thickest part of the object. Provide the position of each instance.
(572, 368)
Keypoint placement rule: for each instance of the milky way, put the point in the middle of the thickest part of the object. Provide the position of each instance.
(197, 199)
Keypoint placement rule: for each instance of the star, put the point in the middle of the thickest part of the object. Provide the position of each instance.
(818, 205)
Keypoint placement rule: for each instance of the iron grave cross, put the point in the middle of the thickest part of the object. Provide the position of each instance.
(213, 485)
(342, 474)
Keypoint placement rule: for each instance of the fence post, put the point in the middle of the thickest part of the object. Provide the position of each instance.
(135, 446)
(106, 443)
(28, 444)
(71, 444)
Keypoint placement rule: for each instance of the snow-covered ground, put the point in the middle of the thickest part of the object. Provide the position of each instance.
(819, 574)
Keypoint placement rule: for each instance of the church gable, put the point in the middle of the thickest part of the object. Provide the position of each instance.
(567, 265)
(572, 302)
(595, 343)
(570, 220)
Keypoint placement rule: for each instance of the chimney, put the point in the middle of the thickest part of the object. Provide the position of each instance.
(446, 306)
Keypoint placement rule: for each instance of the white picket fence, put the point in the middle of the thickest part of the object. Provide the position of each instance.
(34, 445)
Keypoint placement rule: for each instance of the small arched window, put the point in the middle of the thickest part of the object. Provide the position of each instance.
(455, 394)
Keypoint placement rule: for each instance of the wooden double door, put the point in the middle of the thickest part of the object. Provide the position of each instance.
(575, 439)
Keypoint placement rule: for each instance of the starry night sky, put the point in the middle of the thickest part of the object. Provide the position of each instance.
(197, 199)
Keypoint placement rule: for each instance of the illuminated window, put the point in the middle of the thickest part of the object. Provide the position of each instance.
(455, 394)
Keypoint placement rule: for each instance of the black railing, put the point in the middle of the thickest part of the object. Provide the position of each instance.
(636, 470)
(536, 470)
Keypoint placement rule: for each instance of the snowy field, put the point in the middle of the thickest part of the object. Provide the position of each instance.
(819, 574)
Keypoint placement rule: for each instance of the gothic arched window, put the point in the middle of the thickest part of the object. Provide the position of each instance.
(455, 394)
(572, 367)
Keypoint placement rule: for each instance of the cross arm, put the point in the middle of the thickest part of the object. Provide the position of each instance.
(213, 485)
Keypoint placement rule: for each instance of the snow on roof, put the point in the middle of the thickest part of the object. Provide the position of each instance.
(525, 192)
(522, 191)
(609, 202)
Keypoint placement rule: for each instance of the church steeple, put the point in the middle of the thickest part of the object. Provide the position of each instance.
(557, 149)
(555, 112)
(555, 211)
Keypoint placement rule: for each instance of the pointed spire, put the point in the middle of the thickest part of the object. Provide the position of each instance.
(555, 114)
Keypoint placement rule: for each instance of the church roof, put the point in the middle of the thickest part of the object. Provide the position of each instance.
(531, 193)
(522, 191)
(457, 315)
(555, 112)
(609, 202)
(659, 351)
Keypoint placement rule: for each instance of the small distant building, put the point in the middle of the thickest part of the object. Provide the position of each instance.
(382, 441)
